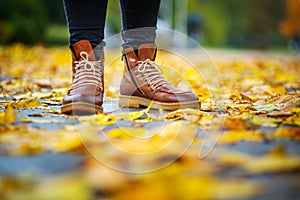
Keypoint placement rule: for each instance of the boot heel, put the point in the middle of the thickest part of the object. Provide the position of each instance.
(127, 101)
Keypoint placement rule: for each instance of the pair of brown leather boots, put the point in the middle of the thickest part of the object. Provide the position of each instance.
(142, 82)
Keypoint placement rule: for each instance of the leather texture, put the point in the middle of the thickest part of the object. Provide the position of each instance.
(87, 93)
(136, 83)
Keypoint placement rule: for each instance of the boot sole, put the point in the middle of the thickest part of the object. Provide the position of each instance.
(136, 102)
(80, 108)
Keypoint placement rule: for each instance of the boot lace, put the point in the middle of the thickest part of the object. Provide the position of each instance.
(152, 73)
(87, 72)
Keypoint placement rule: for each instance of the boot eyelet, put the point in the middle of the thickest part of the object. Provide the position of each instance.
(88, 67)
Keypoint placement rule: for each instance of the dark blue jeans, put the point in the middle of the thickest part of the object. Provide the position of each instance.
(86, 20)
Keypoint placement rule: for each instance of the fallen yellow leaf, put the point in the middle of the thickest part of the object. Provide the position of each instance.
(98, 119)
(26, 103)
(291, 133)
(8, 116)
(187, 114)
(234, 137)
(269, 163)
(126, 133)
(293, 120)
(136, 116)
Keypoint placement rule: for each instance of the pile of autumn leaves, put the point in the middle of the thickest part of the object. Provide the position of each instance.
(257, 100)
(253, 90)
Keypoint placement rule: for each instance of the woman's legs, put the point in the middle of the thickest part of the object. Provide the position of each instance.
(86, 20)
(139, 21)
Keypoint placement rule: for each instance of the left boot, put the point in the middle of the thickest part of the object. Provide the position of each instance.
(143, 82)
(85, 96)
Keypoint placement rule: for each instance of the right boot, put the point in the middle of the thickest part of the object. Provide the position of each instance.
(85, 95)
(143, 83)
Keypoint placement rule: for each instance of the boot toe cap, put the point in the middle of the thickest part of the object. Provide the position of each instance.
(91, 99)
(176, 97)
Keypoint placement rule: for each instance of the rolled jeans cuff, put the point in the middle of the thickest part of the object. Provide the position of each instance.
(135, 37)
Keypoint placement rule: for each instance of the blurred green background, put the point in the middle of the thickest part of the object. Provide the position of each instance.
(217, 23)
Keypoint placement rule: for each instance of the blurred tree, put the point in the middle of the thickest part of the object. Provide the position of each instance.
(215, 31)
(263, 18)
(290, 26)
(240, 23)
(231, 22)
(236, 17)
(22, 21)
